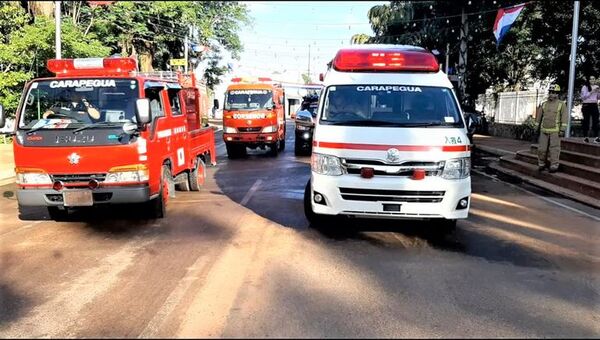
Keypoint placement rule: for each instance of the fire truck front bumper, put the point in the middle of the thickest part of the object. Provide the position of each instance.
(250, 137)
(108, 195)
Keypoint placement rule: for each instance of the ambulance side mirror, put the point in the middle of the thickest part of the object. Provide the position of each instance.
(142, 113)
(2, 118)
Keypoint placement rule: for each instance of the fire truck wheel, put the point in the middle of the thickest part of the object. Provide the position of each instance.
(235, 150)
(58, 214)
(158, 206)
(185, 185)
(198, 175)
(274, 149)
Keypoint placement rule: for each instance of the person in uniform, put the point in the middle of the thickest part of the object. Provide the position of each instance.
(552, 117)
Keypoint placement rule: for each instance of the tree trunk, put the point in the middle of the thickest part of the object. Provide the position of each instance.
(146, 61)
(43, 8)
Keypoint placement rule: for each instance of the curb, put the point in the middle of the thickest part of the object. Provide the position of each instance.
(493, 151)
(569, 194)
(7, 181)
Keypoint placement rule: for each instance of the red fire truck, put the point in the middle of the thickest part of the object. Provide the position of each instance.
(253, 116)
(101, 133)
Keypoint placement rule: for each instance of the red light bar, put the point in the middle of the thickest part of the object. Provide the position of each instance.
(91, 66)
(236, 80)
(357, 60)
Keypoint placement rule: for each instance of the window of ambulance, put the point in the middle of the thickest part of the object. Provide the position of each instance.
(390, 105)
(71, 103)
(246, 100)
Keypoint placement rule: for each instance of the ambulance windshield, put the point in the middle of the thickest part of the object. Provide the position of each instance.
(249, 100)
(390, 105)
(69, 103)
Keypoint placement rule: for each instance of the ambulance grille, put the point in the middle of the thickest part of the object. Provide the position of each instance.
(404, 169)
(377, 195)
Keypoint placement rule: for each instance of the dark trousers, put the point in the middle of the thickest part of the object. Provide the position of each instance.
(590, 113)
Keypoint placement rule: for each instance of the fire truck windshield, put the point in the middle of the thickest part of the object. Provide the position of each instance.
(248, 100)
(69, 103)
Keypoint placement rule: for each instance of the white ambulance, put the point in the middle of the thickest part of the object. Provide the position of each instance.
(390, 140)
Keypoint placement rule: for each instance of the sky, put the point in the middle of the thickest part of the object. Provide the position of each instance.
(282, 31)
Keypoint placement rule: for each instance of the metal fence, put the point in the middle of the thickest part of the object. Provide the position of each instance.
(515, 107)
(512, 107)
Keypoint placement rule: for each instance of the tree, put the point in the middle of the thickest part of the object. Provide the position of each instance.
(306, 78)
(359, 39)
(537, 45)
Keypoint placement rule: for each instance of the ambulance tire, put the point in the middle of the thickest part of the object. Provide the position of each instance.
(198, 175)
(57, 214)
(446, 227)
(317, 221)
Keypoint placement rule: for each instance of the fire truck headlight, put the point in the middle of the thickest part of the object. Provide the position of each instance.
(32, 176)
(326, 165)
(124, 174)
(458, 168)
(270, 129)
(230, 129)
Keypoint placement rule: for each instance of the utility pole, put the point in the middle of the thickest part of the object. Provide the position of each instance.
(57, 29)
(308, 61)
(572, 66)
(462, 56)
(186, 49)
(447, 56)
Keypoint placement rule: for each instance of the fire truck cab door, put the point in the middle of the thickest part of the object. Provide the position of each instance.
(179, 135)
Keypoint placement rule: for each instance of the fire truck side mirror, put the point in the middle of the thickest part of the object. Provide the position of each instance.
(143, 111)
(2, 118)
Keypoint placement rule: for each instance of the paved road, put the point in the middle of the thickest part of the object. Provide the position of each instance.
(238, 259)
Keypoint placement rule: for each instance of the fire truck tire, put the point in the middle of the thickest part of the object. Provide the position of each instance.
(58, 214)
(235, 150)
(316, 220)
(197, 176)
(158, 206)
(274, 149)
(185, 185)
(282, 144)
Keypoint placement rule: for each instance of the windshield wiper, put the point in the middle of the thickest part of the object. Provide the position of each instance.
(95, 125)
(364, 122)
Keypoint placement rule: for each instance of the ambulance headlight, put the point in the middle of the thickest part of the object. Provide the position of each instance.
(326, 165)
(458, 168)
(125, 174)
(270, 129)
(32, 176)
(230, 129)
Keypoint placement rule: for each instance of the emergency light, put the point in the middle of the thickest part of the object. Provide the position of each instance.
(91, 66)
(384, 59)
(250, 80)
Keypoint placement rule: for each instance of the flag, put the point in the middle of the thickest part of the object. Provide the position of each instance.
(504, 19)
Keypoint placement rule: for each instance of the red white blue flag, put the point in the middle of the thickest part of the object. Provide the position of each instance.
(504, 19)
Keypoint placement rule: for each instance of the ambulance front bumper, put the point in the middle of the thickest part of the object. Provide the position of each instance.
(391, 197)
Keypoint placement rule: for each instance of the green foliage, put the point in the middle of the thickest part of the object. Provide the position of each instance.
(306, 78)
(152, 30)
(537, 45)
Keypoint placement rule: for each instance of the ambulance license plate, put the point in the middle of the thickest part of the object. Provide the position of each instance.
(392, 207)
(78, 198)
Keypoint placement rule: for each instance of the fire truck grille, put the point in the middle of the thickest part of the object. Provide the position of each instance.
(249, 129)
(376, 195)
(79, 178)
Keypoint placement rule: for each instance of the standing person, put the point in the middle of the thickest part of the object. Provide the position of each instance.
(552, 115)
(590, 95)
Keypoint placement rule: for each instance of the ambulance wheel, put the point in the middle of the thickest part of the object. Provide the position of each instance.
(198, 175)
(274, 149)
(58, 214)
(446, 226)
(315, 220)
